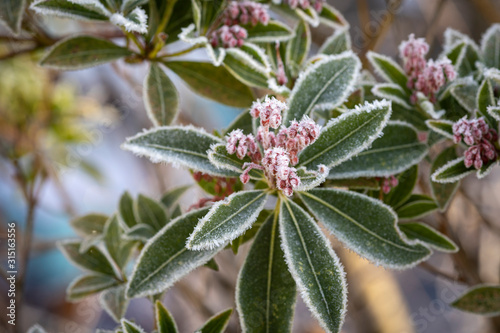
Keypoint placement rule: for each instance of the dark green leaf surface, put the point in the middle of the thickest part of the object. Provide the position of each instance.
(92, 259)
(90, 224)
(441, 126)
(246, 69)
(217, 323)
(219, 157)
(417, 205)
(388, 69)
(160, 97)
(150, 212)
(346, 136)
(213, 82)
(165, 259)
(274, 31)
(337, 43)
(164, 320)
(82, 52)
(490, 46)
(365, 225)
(266, 292)
(118, 248)
(298, 47)
(428, 236)
(482, 299)
(443, 193)
(65, 8)
(126, 210)
(227, 220)
(406, 182)
(129, 327)
(243, 121)
(86, 285)
(140, 232)
(114, 302)
(485, 98)
(172, 196)
(314, 266)
(452, 171)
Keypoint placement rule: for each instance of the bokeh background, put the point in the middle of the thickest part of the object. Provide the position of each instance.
(96, 109)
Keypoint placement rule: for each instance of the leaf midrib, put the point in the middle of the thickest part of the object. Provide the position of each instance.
(378, 150)
(177, 150)
(269, 271)
(362, 227)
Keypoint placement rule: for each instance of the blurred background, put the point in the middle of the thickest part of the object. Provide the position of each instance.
(74, 122)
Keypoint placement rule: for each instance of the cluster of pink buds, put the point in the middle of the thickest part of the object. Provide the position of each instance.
(298, 136)
(243, 145)
(388, 183)
(229, 36)
(476, 134)
(304, 4)
(424, 76)
(245, 12)
(280, 151)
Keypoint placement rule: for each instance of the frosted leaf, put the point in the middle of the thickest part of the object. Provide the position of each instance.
(86, 285)
(421, 233)
(392, 92)
(441, 126)
(114, 302)
(135, 21)
(70, 10)
(130, 327)
(388, 69)
(452, 171)
(490, 44)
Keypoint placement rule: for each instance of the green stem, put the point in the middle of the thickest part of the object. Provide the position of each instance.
(166, 16)
(182, 52)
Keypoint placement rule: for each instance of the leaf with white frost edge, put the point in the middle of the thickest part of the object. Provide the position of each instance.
(494, 111)
(92, 260)
(119, 249)
(347, 135)
(265, 291)
(130, 327)
(421, 233)
(443, 193)
(323, 86)
(388, 69)
(140, 232)
(338, 42)
(485, 97)
(332, 17)
(441, 126)
(227, 219)
(128, 5)
(273, 32)
(452, 171)
(392, 92)
(219, 157)
(246, 69)
(490, 46)
(86, 285)
(135, 21)
(164, 320)
(180, 145)
(314, 266)
(258, 54)
(68, 9)
(406, 183)
(397, 150)
(465, 95)
(483, 299)
(365, 225)
(114, 302)
(217, 323)
(309, 15)
(486, 169)
(161, 98)
(417, 205)
(310, 179)
(150, 212)
(298, 47)
(164, 259)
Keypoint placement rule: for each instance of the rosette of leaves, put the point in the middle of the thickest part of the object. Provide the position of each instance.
(289, 251)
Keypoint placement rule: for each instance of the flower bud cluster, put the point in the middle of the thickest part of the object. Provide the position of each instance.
(243, 145)
(298, 136)
(276, 164)
(388, 183)
(245, 12)
(476, 134)
(269, 112)
(304, 4)
(223, 187)
(424, 76)
(228, 36)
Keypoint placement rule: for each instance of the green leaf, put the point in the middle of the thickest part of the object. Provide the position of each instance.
(346, 136)
(490, 46)
(332, 17)
(129, 327)
(465, 95)
(466, 61)
(486, 169)
(394, 93)
(443, 193)
(89, 225)
(358, 183)
(265, 291)
(323, 85)
(219, 157)
(417, 205)
(406, 182)
(243, 121)
(150, 212)
(182, 18)
(397, 150)
(273, 31)
(452, 171)
(86, 285)
(364, 225)
(250, 233)
(114, 302)
(119, 249)
(494, 111)
(212, 264)
(64, 8)
(314, 266)
(176, 212)
(92, 259)
(164, 320)
(140, 232)
(481, 299)
(205, 12)
(170, 198)
(160, 97)
(426, 235)
(186, 146)
(388, 69)
(227, 220)
(126, 210)
(165, 259)
(129, 5)
(212, 82)
(441, 126)
(338, 42)
(11, 14)
(298, 47)
(412, 116)
(81, 52)
(485, 97)
(245, 68)
(217, 323)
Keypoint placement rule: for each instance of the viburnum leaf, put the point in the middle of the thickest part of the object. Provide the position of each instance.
(452, 171)
(164, 320)
(298, 47)
(429, 236)
(149, 211)
(490, 44)
(68, 9)
(388, 69)
(89, 225)
(398, 149)
(338, 42)
(129, 327)
(11, 14)
(86, 285)
(443, 193)
(165, 258)
(265, 291)
(346, 136)
(160, 97)
(213, 82)
(227, 220)
(216, 323)
(274, 31)
(406, 182)
(114, 302)
(364, 225)
(126, 210)
(417, 205)
(81, 52)
(323, 85)
(314, 266)
(482, 299)
(181, 145)
(92, 260)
